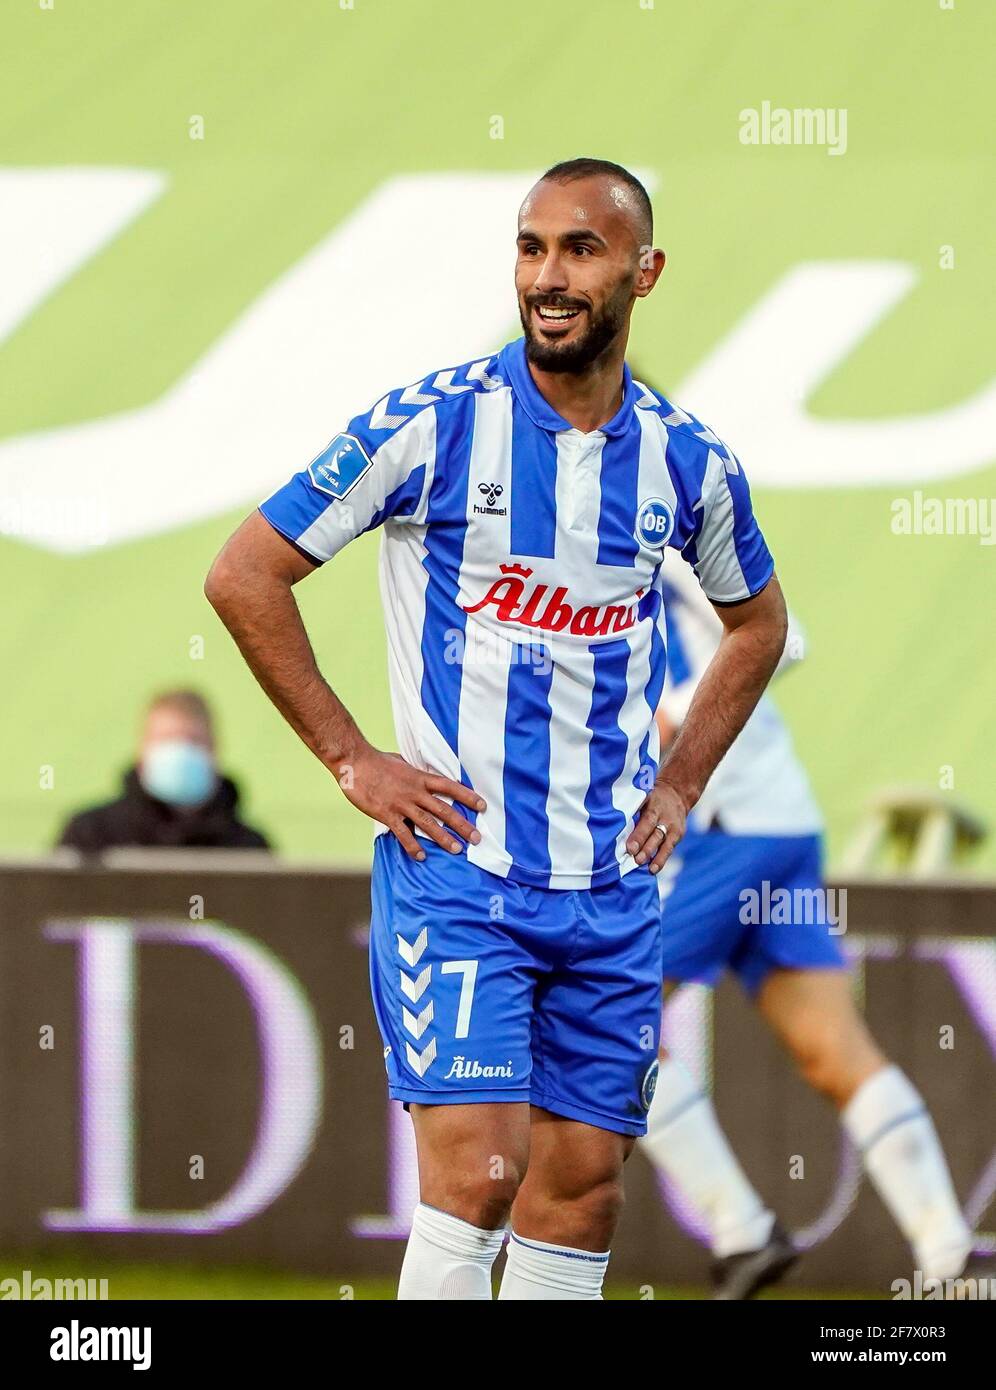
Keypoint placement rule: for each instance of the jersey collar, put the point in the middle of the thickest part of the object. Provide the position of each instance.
(513, 359)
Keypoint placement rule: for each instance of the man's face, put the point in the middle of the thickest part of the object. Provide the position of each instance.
(578, 270)
(172, 723)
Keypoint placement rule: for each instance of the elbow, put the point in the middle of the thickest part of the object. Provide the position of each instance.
(220, 584)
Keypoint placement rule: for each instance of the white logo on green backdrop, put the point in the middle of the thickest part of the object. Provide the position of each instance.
(353, 317)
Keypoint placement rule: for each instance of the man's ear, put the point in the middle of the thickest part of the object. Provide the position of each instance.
(652, 262)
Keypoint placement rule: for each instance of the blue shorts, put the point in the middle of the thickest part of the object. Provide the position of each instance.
(753, 903)
(487, 990)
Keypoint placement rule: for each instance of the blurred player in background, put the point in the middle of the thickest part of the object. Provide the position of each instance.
(757, 823)
(526, 501)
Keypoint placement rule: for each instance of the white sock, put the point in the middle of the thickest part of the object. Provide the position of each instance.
(685, 1143)
(447, 1258)
(888, 1121)
(535, 1270)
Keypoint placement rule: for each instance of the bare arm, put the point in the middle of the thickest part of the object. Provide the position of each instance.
(250, 588)
(748, 652)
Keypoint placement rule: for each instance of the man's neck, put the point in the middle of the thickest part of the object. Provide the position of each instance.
(589, 399)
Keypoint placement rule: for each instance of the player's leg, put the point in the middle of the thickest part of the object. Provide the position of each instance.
(595, 1035)
(565, 1213)
(814, 1014)
(797, 971)
(793, 965)
(686, 1144)
(453, 992)
(471, 1159)
(699, 888)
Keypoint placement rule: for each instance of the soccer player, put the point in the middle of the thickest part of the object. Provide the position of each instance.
(526, 501)
(756, 823)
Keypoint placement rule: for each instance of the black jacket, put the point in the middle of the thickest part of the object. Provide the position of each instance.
(137, 818)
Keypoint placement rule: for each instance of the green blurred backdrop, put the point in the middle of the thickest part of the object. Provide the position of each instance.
(309, 107)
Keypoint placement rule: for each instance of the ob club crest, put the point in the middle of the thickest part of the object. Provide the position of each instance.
(654, 523)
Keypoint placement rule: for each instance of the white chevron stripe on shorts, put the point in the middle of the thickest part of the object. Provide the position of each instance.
(411, 954)
(417, 1026)
(420, 1062)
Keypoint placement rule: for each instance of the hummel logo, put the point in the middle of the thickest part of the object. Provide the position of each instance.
(490, 492)
(414, 989)
(420, 1062)
(411, 954)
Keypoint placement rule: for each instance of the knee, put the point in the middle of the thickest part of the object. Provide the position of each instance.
(819, 1069)
(583, 1213)
(481, 1199)
(835, 1070)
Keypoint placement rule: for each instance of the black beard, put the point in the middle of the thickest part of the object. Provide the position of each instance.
(577, 356)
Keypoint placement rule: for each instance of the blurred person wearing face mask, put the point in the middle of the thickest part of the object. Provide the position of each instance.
(174, 796)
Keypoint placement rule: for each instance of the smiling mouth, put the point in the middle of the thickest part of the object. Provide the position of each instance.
(556, 317)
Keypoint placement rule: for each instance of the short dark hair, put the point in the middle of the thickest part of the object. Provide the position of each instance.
(191, 702)
(585, 168)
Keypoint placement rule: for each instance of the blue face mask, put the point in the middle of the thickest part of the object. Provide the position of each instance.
(178, 772)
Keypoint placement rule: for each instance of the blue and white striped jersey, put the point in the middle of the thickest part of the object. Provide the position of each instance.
(519, 574)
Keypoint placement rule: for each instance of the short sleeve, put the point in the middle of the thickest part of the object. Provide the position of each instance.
(355, 484)
(728, 551)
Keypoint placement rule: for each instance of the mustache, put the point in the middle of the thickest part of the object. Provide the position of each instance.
(553, 301)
